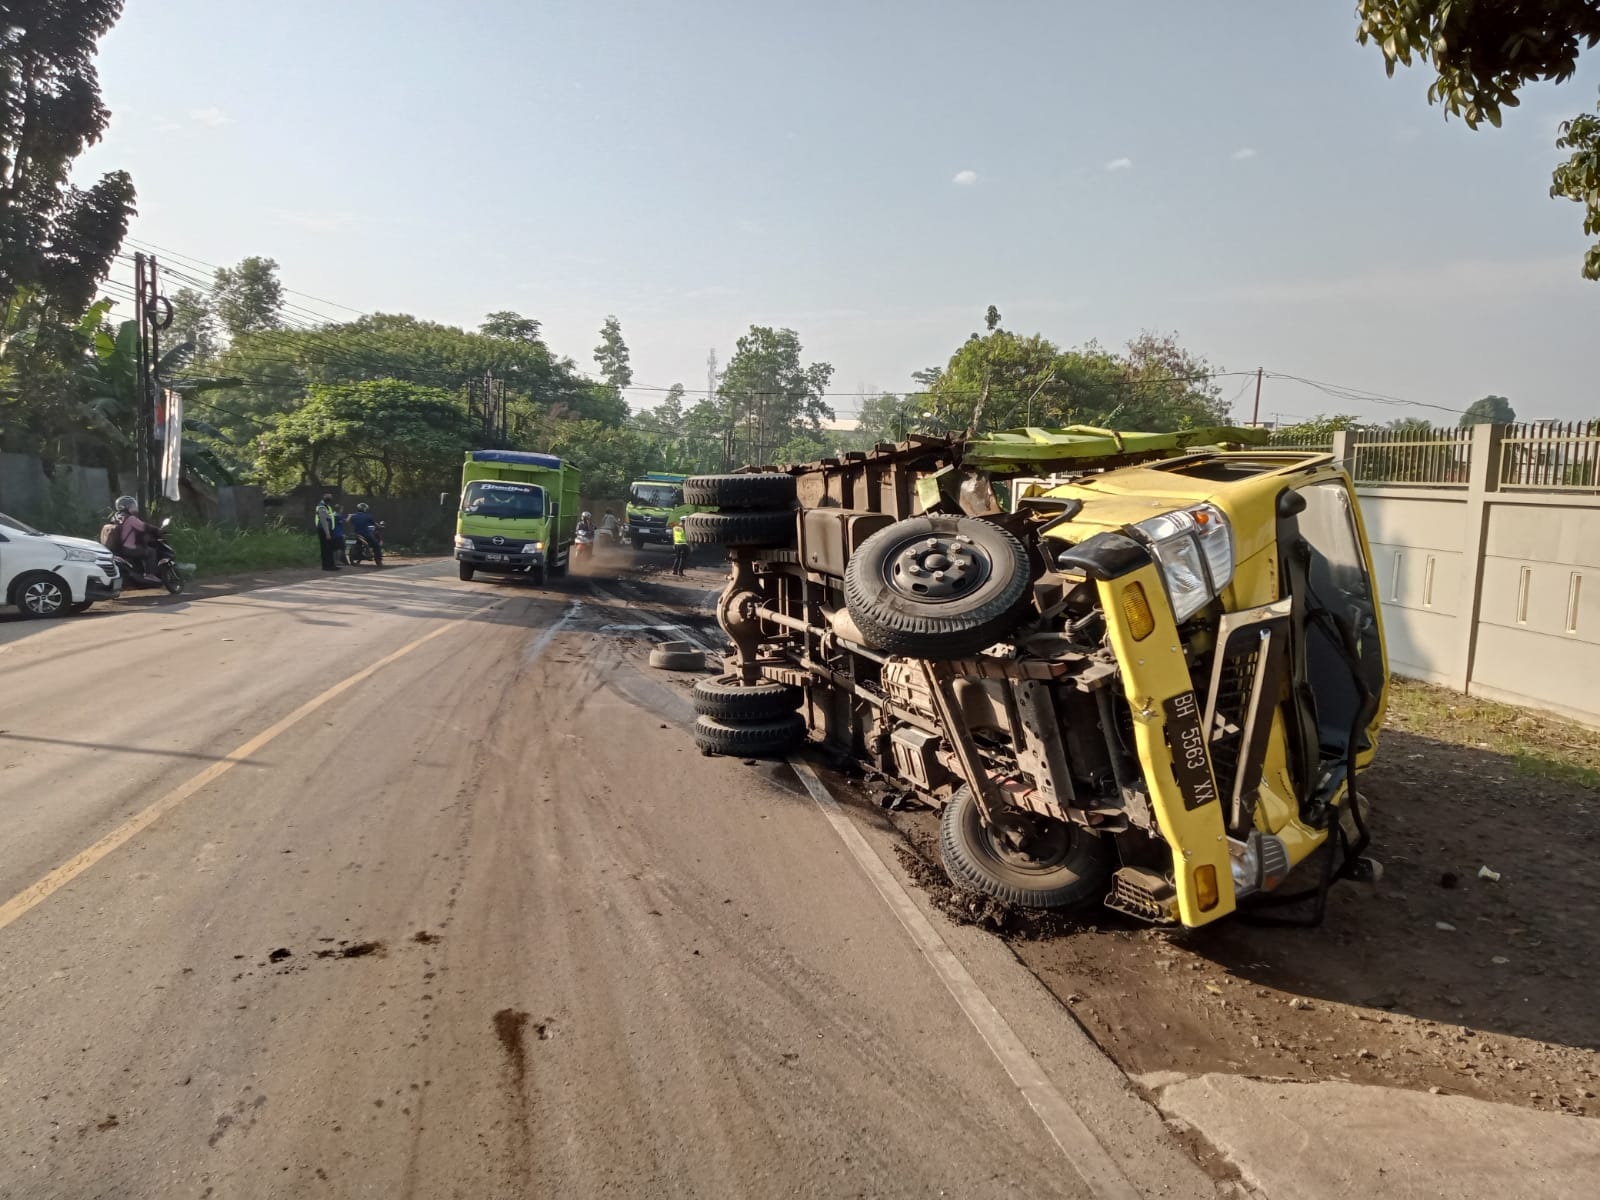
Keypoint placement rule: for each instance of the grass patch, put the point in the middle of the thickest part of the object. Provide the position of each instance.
(218, 550)
(1538, 744)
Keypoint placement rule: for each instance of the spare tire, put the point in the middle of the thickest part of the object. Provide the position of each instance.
(727, 699)
(740, 529)
(741, 493)
(937, 587)
(749, 739)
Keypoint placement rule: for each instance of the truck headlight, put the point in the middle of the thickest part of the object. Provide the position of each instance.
(463, 543)
(1194, 549)
(533, 548)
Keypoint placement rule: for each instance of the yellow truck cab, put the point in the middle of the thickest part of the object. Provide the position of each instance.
(518, 514)
(1151, 680)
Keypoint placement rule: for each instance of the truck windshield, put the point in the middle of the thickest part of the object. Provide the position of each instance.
(656, 495)
(487, 498)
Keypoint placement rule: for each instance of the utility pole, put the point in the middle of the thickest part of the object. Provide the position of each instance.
(151, 314)
(1255, 413)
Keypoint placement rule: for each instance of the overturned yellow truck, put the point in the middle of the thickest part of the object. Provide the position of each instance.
(1152, 676)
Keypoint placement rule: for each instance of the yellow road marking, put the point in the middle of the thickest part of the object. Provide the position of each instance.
(36, 894)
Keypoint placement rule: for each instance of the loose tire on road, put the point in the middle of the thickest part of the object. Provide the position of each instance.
(727, 699)
(740, 529)
(40, 595)
(749, 739)
(937, 587)
(741, 493)
(677, 656)
(467, 572)
(1069, 865)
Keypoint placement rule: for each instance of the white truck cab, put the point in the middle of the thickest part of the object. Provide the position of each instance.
(43, 575)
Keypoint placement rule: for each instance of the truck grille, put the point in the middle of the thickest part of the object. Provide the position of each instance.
(1142, 893)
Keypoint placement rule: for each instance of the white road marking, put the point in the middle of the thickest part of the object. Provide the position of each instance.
(1076, 1140)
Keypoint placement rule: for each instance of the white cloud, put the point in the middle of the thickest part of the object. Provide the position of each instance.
(212, 117)
(965, 178)
(1120, 164)
(1242, 153)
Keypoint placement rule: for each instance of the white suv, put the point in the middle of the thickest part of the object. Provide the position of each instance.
(42, 575)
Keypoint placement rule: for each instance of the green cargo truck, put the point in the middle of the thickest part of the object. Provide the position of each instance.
(519, 512)
(654, 502)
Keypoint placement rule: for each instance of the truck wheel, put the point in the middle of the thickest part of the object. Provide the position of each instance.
(467, 572)
(749, 739)
(1057, 865)
(40, 595)
(937, 587)
(741, 493)
(727, 699)
(540, 575)
(740, 529)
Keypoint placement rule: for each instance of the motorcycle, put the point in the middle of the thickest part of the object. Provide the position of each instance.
(358, 549)
(166, 573)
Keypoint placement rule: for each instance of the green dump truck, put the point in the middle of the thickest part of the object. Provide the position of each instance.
(654, 502)
(518, 516)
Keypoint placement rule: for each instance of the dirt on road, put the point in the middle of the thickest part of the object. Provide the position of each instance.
(1437, 977)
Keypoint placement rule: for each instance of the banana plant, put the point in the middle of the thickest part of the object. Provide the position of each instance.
(113, 407)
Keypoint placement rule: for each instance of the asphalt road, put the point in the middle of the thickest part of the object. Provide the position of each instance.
(392, 885)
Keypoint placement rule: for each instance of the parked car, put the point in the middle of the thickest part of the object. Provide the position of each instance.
(48, 575)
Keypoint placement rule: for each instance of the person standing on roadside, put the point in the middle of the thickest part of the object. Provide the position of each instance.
(341, 544)
(680, 547)
(324, 520)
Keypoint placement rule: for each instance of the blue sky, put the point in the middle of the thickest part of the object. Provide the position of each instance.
(873, 175)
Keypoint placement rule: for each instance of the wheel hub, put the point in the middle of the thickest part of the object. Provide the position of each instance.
(939, 567)
(1026, 844)
(42, 598)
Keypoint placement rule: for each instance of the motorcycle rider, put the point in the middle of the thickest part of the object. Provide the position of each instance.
(585, 545)
(131, 537)
(365, 526)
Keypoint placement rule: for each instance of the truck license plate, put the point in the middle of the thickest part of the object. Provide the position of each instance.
(497, 558)
(1191, 763)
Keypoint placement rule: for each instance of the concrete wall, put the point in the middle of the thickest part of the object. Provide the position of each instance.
(68, 493)
(1494, 593)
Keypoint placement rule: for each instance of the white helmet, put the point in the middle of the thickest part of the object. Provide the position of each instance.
(127, 504)
(588, 516)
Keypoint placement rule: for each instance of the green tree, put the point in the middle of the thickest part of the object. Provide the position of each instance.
(55, 237)
(1483, 54)
(383, 437)
(611, 355)
(513, 327)
(609, 457)
(194, 321)
(768, 397)
(1491, 410)
(248, 298)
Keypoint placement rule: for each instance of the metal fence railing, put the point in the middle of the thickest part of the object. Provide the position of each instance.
(1437, 457)
(1551, 456)
(1293, 439)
